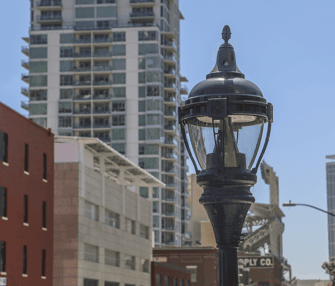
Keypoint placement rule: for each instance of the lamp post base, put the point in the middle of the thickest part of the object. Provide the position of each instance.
(228, 270)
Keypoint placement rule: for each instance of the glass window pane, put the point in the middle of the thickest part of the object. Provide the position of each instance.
(147, 49)
(38, 67)
(119, 64)
(38, 53)
(119, 50)
(66, 66)
(106, 12)
(37, 109)
(66, 38)
(86, 12)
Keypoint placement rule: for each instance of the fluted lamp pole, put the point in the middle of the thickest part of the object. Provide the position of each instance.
(224, 117)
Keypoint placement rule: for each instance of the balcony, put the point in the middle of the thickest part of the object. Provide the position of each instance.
(106, 1)
(170, 100)
(82, 41)
(102, 125)
(171, 199)
(25, 50)
(170, 155)
(82, 55)
(170, 73)
(25, 77)
(170, 87)
(142, 16)
(102, 54)
(25, 91)
(170, 113)
(171, 46)
(82, 126)
(44, 19)
(82, 83)
(101, 110)
(170, 59)
(142, 3)
(102, 68)
(102, 82)
(173, 142)
(171, 129)
(81, 69)
(102, 40)
(183, 89)
(102, 96)
(25, 105)
(170, 227)
(49, 5)
(25, 64)
(82, 111)
(170, 213)
(82, 97)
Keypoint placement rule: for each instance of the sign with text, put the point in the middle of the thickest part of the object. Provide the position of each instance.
(3, 281)
(257, 262)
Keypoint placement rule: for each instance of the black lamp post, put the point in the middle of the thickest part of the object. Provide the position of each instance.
(225, 116)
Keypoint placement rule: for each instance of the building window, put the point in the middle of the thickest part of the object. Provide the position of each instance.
(90, 282)
(155, 207)
(118, 105)
(26, 158)
(25, 206)
(118, 120)
(141, 134)
(166, 281)
(66, 80)
(145, 265)
(38, 80)
(65, 122)
(43, 262)
(147, 35)
(119, 36)
(119, 78)
(112, 258)
(38, 39)
(119, 64)
(148, 163)
(193, 269)
(144, 231)
(91, 253)
(158, 280)
(141, 77)
(155, 221)
(112, 219)
(129, 262)
(3, 201)
(38, 53)
(66, 52)
(2, 256)
(91, 211)
(119, 92)
(38, 109)
(66, 93)
(44, 216)
(130, 226)
(153, 90)
(119, 50)
(111, 283)
(147, 49)
(44, 166)
(3, 146)
(118, 134)
(175, 282)
(36, 95)
(24, 259)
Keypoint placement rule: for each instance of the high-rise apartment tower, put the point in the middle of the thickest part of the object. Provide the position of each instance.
(110, 69)
(330, 168)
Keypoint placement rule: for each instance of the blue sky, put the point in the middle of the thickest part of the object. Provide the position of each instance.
(287, 49)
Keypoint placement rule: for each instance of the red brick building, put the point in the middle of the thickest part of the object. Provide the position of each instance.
(201, 261)
(168, 275)
(26, 201)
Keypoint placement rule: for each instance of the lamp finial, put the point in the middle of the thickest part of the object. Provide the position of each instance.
(226, 34)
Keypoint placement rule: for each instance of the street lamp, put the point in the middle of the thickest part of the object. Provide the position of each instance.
(289, 204)
(224, 116)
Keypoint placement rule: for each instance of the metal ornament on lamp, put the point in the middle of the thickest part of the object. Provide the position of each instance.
(224, 116)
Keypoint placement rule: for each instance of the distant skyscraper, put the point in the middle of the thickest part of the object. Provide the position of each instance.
(110, 69)
(330, 167)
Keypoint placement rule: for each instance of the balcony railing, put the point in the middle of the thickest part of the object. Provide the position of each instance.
(170, 227)
(171, 199)
(102, 54)
(172, 71)
(141, 1)
(170, 213)
(83, 82)
(105, 1)
(82, 55)
(49, 18)
(170, 44)
(170, 58)
(101, 110)
(102, 96)
(171, 128)
(82, 97)
(102, 40)
(25, 91)
(102, 82)
(171, 141)
(170, 113)
(104, 139)
(102, 68)
(25, 64)
(82, 41)
(184, 89)
(25, 105)
(101, 125)
(170, 99)
(81, 69)
(82, 126)
(142, 14)
(170, 85)
(25, 77)
(25, 50)
(53, 3)
(82, 111)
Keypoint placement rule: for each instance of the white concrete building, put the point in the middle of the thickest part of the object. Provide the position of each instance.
(110, 69)
(102, 226)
